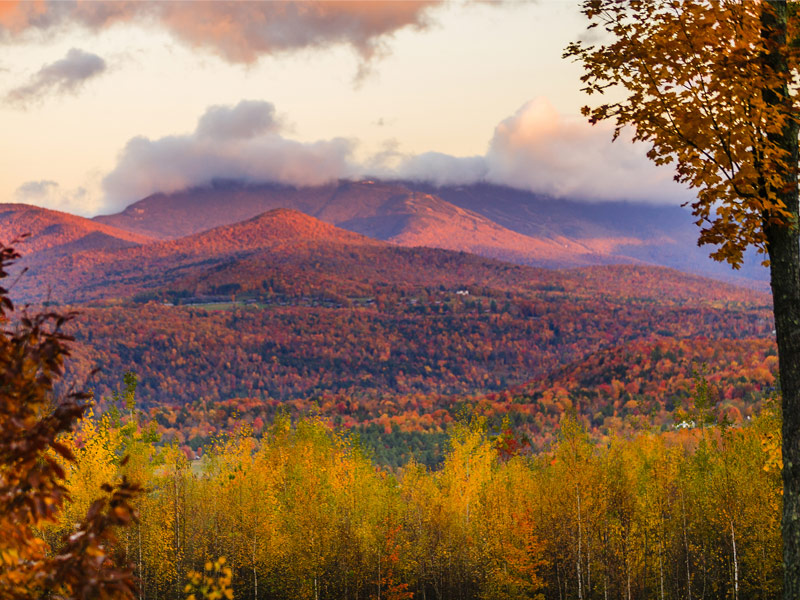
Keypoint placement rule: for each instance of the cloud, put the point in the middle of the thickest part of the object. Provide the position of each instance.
(67, 75)
(246, 120)
(35, 190)
(241, 142)
(535, 149)
(49, 194)
(538, 150)
(239, 32)
(442, 169)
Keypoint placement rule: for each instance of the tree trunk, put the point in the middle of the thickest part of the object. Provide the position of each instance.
(686, 547)
(580, 534)
(785, 281)
(784, 257)
(735, 565)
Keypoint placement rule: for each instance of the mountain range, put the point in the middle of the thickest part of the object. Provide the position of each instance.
(372, 289)
(492, 221)
(342, 239)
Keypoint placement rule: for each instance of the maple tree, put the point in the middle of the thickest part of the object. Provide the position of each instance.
(83, 563)
(710, 86)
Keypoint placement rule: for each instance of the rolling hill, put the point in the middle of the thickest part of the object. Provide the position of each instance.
(286, 253)
(385, 211)
(282, 249)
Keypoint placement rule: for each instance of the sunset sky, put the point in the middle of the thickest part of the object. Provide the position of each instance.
(102, 104)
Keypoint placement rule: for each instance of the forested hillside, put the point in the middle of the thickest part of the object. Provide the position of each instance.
(401, 364)
(283, 309)
(642, 458)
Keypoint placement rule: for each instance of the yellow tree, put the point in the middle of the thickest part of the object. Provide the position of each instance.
(423, 522)
(575, 470)
(709, 86)
(467, 471)
(505, 531)
(656, 473)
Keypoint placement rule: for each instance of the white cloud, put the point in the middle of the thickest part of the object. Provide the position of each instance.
(248, 119)
(441, 169)
(241, 142)
(49, 194)
(30, 191)
(535, 149)
(538, 150)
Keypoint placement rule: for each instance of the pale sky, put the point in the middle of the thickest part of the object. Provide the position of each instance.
(101, 104)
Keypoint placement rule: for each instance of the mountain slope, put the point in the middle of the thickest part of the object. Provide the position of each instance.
(60, 232)
(489, 220)
(424, 219)
(655, 234)
(282, 249)
(199, 209)
(286, 253)
(386, 211)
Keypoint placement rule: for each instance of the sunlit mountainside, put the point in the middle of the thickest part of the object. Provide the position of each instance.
(61, 233)
(492, 221)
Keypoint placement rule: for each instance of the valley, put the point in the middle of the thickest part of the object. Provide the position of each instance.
(370, 326)
(285, 311)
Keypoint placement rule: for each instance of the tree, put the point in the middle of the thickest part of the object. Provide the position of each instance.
(32, 491)
(708, 84)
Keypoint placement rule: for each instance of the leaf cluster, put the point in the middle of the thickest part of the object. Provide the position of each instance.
(33, 348)
(709, 86)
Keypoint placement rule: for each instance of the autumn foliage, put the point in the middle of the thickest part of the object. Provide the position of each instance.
(33, 457)
(303, 512)
(695, 85)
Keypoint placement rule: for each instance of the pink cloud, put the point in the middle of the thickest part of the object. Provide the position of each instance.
(237, 31)
(540, 150)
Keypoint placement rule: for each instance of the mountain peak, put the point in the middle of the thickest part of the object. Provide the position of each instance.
(52, 229)
(492, 221)
(274, 227)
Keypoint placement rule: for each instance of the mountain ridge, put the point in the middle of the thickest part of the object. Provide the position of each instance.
(284, 251)
(489, 220)
(49, 229)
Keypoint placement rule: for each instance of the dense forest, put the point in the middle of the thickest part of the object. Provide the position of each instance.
(404, 362)
(402, 338)
(642, 386)
(302, 511)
